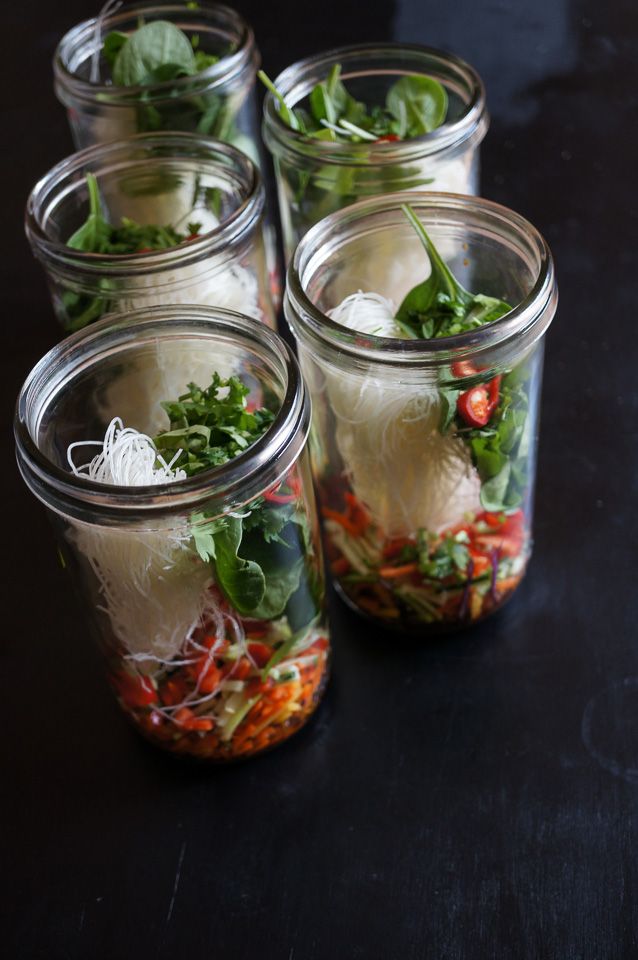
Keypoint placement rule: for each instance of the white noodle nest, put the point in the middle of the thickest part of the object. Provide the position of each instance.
(153, 585)
(400, 466)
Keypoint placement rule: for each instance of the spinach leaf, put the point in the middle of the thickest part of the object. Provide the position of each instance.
(242, 580)
(258, 558)
(94, 235)
(418, 103)
(287, 114)
(113, 43)
(414, 105)
(282, 564)
(257, 572)
(156, 51)
(500, 451)
(440, 306)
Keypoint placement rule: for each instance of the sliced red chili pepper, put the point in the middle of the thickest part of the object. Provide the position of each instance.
(293, 483)
(389, 138)
(135, 691)
(260, 652)
(477, 404)
(463, 368)
(241, 669)
(394, 547)
(507, 546)
(481, 563)
(209, 675)
(493, 388)
(494, 520)
(256, 686)
(173, 691)
(186, 719)
(474, 406)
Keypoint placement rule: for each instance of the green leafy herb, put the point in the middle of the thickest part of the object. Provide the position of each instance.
(418, 104)
(94, 236)
(414, 105)
(440, 306)
(500, 451)
(155, 52)
(159, 52)
(259, 558)
(448, 558)
(97, 235)
(211, 426)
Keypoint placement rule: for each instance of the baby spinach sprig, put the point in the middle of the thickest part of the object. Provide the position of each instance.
(441, 306)
(157, 53)
(154, 53)
(98, 235)
(491, 418)
(414, 105)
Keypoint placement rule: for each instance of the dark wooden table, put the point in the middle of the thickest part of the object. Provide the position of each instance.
(468, 798)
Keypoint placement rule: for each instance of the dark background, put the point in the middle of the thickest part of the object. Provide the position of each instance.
(466, 798)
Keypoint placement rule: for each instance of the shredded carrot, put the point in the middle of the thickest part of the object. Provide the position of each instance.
(341, 518)
(359, 516)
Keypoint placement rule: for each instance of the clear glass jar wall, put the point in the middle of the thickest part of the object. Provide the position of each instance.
(206, 593)
(427, 519)
(317, 177)
(166, 179)
(218, 102)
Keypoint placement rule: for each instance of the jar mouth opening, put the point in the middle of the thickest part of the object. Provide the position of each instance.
(84, 33)
(228, 159)
(531, 313)
(236, 481)
(301, 76)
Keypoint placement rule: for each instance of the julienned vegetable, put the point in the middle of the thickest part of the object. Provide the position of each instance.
(414, 105)
(219, 649)
(427, 523)
(235, 287)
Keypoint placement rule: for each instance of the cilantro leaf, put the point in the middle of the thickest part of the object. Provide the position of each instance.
(211, 426)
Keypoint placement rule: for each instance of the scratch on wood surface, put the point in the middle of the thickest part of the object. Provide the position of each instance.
(610, 709)
(178, 873)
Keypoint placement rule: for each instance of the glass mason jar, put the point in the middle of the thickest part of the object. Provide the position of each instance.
(218, 102)
(206, 593)
(162, 179)
(427, 519)
(317, 177)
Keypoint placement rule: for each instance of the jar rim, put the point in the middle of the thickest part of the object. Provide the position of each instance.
(237, 224)
(235, 482)
(472, 124)
(226, 69)
(529, 318)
